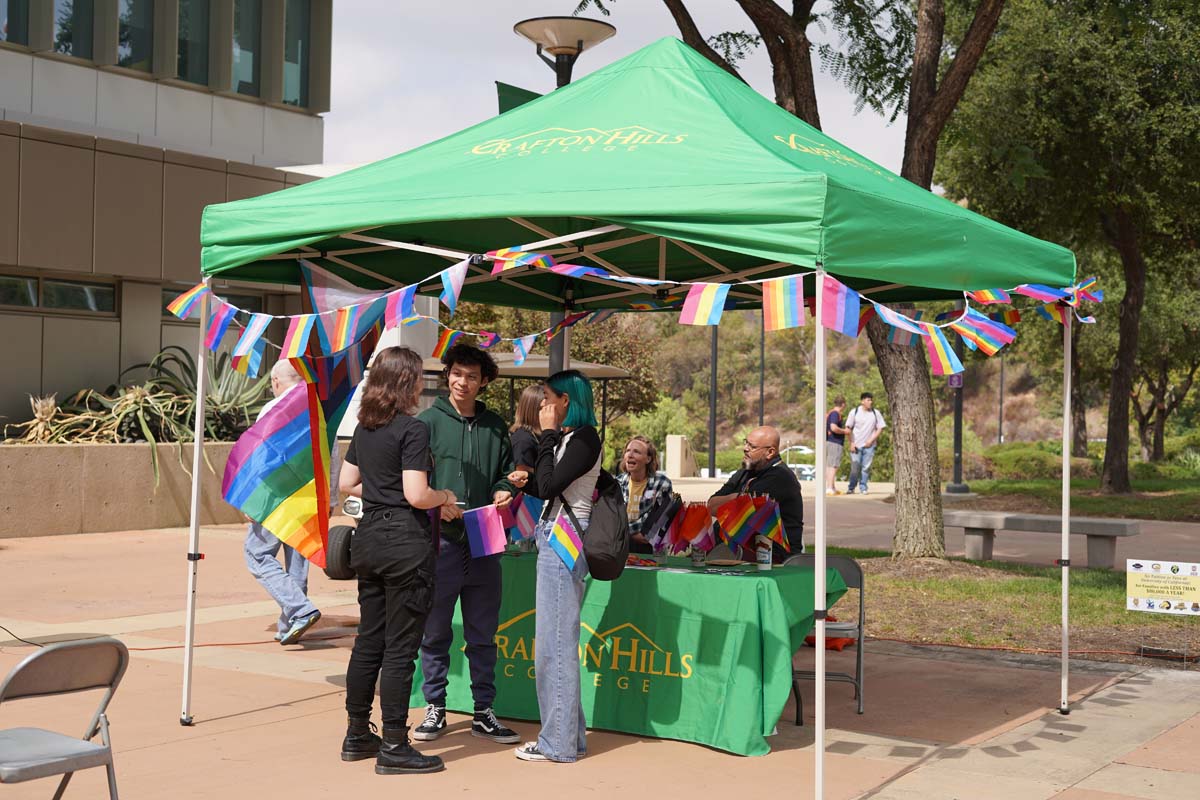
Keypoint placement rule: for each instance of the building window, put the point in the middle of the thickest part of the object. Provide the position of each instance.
(247, 41)
(73, 27)
(297, 53)
(79, 296)
(135, 34)
(193, 41)
(253, 303)
(14, 21)
(17, 290)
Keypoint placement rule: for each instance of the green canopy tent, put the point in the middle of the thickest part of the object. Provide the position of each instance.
(660, 165)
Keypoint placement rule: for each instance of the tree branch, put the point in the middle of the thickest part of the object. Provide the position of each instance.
(694, 39)
(791, 56)
(962, 67)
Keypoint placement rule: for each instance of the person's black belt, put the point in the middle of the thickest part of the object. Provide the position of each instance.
(374, 510)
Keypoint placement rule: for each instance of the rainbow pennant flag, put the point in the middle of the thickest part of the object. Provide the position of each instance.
(941, 356)
(329, 294)
(344, 326)
(840, 307)
(566, 322)
(783, 303)
(521, 348)
(399, 306)
(445, 342)
(984, 333)
(248, 353)
(1037, 291)
(295, 343)
(767, 521)
(186, 303)
(865, 314)
(987, 297)
(512, 257)
(565, 541)
(1083, 291)
(452, 283)
(218, 324)
(704, 304)
(1055, 311)
(485, 531)
(1010, 317)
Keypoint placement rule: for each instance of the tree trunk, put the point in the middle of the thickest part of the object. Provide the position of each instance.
(1079, 437)
(1123, 236)
(905, 374)
(1158, 428)
(1145, 438)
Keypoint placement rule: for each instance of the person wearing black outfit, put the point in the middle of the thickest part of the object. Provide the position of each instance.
(388, 465)
(525, 429)
(763, 473)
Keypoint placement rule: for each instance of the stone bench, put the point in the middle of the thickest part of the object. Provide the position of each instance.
(980, 528)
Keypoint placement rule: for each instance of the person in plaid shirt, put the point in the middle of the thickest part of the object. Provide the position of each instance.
(642, 484)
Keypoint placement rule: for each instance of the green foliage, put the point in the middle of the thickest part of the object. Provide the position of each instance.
(1029, 462)
(734, 46)
(974, 464)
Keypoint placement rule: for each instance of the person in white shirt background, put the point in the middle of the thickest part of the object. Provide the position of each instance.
(865, 423)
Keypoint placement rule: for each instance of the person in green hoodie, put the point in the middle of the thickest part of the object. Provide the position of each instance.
(472, 457)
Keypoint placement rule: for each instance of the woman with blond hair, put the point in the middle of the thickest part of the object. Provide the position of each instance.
(642, 484)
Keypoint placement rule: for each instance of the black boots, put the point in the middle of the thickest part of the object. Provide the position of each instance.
(361, 741)
(397, 757)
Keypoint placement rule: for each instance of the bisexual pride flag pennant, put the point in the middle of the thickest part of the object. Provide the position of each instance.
(485, 531)
(218, 324)
(186, 303)
(521, 348)
(839, 311)
(248, 353)
(399, 306)
(452, 283)
(296, 341)
(704, 304)
(1037, 291)
(487, 339)
(941, 356)
(986, 297)
(565, 541)
(783, 303)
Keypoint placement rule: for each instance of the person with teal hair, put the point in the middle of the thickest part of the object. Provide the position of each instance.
(568, 465)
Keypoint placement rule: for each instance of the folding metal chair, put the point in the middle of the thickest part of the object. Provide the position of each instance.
(852, 574)
(30, 753)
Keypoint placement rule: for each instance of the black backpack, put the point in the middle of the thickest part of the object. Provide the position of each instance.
(606, 540)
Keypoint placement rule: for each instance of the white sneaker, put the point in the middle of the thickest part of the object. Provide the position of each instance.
(529, 752)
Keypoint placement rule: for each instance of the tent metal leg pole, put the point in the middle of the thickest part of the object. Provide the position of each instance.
(1063, 706)
(819, 543)
(603, 409)
(193, 552)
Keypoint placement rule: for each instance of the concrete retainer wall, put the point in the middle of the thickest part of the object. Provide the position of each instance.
(52, 489)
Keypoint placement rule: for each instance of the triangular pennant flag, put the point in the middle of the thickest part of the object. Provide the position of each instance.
(1047, 294)
(329, 293)
(487, 339)
(987, 334)
(567, 322)
(1054, 311)
(865, 314)
(987, 297)
(601, 315)
(445, 342)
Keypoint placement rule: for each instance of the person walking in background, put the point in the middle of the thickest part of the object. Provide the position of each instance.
(835, 441)
(641, 484)
(287, 583)
(865, 423)
(524, 431)
(472, 457)
(568, 465)
(388, 465)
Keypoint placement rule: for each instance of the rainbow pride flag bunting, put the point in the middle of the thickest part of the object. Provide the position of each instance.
(512, 257)
(218, 323)
(1083, 291)
(941, 356)
(248, 353)
(296, 341)
(445, 342)
(485, 531)
(521, 348)
(987, 297)
(840, 307)
(1010, 317)
(705, 304)
(1037, 291)
(186, 303)
(452, 283)
(1054, 311)
(783, 303)
(565, 541)
(399, 306)
(566, 322)
(984, 333)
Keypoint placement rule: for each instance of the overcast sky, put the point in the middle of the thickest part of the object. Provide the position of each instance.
(406, 73)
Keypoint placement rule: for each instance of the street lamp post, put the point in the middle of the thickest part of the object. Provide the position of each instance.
(565, 38)
(956, 486)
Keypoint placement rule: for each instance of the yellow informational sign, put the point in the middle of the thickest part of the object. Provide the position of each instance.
(1162, 587)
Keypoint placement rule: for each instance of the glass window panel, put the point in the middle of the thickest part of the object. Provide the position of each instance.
(14, 21)
(135, 34)
(16, 290)
(79, 296)
(296, 52)
(246, 302)
(73, 27)
(247, 41)
(193, 41)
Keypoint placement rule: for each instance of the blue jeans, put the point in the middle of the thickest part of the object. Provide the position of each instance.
(556, 661)
(860, 467)
(287, 582)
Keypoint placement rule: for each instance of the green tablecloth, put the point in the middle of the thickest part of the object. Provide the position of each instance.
(698, 656)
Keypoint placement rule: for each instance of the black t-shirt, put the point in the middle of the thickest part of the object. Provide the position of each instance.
(383, 454)
(524, 447)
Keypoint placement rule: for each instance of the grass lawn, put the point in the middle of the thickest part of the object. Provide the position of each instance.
(990, 604)
(1167, 500)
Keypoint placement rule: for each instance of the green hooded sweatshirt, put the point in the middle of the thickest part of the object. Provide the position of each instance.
(471, 457)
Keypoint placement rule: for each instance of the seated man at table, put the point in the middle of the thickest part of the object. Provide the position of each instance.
(763, 473)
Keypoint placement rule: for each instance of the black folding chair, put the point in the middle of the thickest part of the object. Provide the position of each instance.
(27, 754)
(852, 574)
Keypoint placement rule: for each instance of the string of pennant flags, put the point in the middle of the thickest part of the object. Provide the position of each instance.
(783, 302)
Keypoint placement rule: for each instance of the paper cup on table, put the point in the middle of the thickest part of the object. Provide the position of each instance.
(762, 550)
(697, 557)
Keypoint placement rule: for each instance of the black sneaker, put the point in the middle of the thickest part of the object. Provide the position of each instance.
(433, 725)
(486, 726)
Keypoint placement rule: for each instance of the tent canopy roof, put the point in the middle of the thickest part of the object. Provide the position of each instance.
(708, 180)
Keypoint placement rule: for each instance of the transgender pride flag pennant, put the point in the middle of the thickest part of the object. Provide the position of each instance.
(564, 540)
(840, 308)
(452, 283)
(521, 348)
(485, 531)
(521, 515)
(783, 303)
(704, 304)
(248, 353)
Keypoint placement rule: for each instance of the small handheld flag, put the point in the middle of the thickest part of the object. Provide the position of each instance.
(564, 540)
(485, 531)
(840, 307)
(704, 304)
(524, 510)
(783, 303)
(186, 303)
